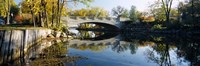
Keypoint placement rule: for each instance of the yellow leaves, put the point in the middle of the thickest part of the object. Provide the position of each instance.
(36, 11)
(2, 13)
(64, 12)
(92, 12)
(37, 6)
(28, 0)
(82, 12)
(147, 18)
(4, 7)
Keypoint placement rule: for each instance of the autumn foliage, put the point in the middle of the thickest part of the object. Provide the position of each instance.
(18, 19)
(90, 12)
(147, 18)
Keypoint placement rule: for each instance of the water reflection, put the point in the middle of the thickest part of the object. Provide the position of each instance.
(44, 53)
(103, 49)
(95, 35)
(166, 48)
(95, 48)
(161, 49)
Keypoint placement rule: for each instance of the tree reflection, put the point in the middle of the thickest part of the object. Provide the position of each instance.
(95, 48)
(84, 34)
(190, 50)
(163, 49)
(53, 55)
(133, 48)
(185, 47)
(89, 34)
(159, 54)
(120, 47)
(95, 35)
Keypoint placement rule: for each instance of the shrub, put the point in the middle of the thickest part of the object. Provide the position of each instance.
(18, 19)
(26, 18)
(62, 28)
(157, 26)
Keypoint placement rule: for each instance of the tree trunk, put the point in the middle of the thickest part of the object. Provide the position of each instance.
(167, 7)
(8, 13)
(45, 14)
(58, 10)
(33, 18)
(32, 13)
(167, 19)
(41, 19)
(52, 19)
(46, 19)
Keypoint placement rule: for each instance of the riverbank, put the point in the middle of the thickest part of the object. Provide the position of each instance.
(15, 40)
(20, 28)
(20, 39)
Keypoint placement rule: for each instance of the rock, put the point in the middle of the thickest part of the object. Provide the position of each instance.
(70, 37)
(64, 40)
(2, 22)
(52, 32)
(57, 34)
(50, 36)
(63, 35)
(58, 41)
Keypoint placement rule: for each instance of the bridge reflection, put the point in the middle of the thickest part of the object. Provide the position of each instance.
(184, 48)
(98, 41)
(56, 52)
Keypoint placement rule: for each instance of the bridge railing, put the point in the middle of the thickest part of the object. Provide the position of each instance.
(92, 18)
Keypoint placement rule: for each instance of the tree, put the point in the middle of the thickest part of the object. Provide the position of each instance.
(167, 4)
(157, 11)
(125, 14)
(120, 12)
(97, 12)
(32, 7)
(82, 12)
(48, 11)
(162, 13)
(133, 16)
(180, 5)
(90, 12)
(5, 9)
(191, 11)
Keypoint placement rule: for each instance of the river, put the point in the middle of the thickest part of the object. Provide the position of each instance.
(93, 48)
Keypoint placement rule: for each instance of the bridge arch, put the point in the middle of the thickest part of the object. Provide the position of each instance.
(73, 21)
(105, 25)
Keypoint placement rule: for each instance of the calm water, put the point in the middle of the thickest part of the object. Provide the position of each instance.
(112, 49)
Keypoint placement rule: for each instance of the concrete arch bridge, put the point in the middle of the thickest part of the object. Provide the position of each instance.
(107, 22)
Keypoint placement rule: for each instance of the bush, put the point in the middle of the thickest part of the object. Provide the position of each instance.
(19, 19)
(157, 26)
(62, 28)
(27, 18)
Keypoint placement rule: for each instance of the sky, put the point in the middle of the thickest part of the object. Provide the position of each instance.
(141, 5)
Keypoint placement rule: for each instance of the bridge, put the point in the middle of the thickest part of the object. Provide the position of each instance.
(110, 41)
(107, 22)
